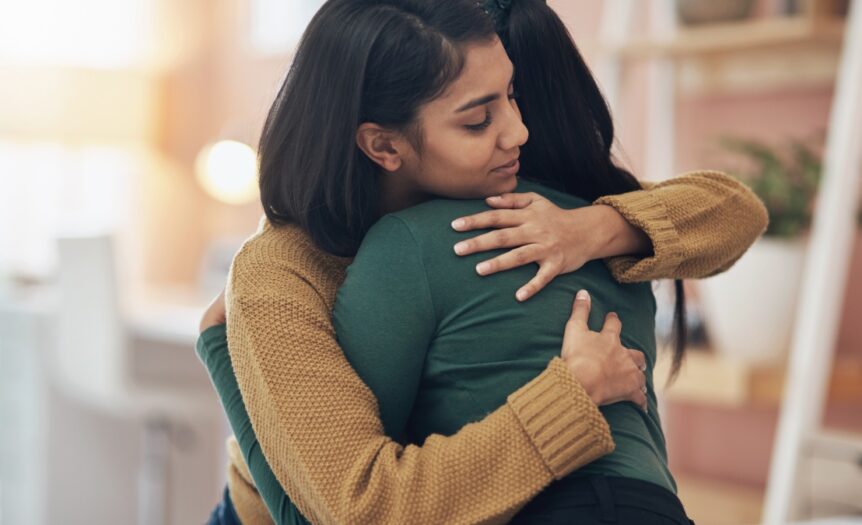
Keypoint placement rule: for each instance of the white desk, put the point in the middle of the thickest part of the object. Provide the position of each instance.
(170, 315)
(163, 373)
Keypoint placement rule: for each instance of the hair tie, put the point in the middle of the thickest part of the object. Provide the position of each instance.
(498, 10)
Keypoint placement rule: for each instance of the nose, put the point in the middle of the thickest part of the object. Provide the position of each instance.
(514, 133)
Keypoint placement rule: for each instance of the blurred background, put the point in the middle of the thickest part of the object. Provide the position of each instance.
(127, 182)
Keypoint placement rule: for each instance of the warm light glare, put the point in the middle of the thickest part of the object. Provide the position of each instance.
(227, 171)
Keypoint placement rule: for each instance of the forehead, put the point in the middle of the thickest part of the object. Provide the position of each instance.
(487, 70)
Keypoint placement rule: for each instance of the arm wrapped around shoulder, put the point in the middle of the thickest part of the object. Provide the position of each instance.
(700, 223)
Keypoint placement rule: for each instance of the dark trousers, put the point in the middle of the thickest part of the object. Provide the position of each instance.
(224, 513)
(577, 501)
(603, 500)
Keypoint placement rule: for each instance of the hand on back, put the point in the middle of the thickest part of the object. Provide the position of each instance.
(608, 371)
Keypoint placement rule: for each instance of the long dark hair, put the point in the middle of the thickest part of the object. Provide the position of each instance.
(571, 129)
(379, 61)
(358, 61)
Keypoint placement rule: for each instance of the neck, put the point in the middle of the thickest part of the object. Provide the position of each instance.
(396, 194)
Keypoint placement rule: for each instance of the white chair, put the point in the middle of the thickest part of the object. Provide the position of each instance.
(94, 363)
(92, 349)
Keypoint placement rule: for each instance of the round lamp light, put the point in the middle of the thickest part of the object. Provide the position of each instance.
(227, 171)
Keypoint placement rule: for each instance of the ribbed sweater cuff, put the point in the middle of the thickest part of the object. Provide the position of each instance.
(645, 210)
(561, 420)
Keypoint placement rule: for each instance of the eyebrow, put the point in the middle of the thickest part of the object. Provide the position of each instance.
(478, 102)
(483, 100)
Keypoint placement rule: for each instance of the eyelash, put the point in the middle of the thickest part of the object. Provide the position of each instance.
(482, 125)
(488, 119)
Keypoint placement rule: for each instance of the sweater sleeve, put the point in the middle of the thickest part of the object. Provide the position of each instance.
(243, 449)
(700, 224)
(318, 424)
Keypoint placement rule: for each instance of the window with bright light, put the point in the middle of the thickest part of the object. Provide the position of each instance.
(80, 33)
(49, 189)
(277, 25)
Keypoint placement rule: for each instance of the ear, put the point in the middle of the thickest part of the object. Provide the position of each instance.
(380, 145)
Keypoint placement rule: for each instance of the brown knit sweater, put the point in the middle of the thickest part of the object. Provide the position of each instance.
(318, 424)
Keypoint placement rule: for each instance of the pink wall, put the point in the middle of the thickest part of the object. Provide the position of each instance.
(772, 117)
(850, 335)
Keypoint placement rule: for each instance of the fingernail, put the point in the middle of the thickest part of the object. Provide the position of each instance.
(494, 198)
(583, 295)
(458, 224)
(460, 248)
(521, 295)
(481, 268)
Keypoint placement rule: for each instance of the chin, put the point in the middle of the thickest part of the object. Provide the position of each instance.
(490, 188)
(507, 186)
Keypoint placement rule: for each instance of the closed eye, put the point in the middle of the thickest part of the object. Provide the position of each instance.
(482, 125)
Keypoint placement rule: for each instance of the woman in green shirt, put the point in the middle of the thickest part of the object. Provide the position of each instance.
(441, 347)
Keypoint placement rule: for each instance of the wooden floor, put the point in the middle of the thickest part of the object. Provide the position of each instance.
(710, 502)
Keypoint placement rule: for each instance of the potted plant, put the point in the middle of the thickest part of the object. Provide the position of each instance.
(749, 310)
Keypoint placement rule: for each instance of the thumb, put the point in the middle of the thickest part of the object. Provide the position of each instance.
(577, 322)
(581, 310)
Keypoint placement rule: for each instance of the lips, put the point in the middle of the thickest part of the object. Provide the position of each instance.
(508, 165)
(510, 169)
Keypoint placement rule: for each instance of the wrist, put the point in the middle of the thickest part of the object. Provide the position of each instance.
(587, 375)
(618, 235)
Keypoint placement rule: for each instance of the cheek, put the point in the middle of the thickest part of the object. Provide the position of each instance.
(473, 152)
(456, 165)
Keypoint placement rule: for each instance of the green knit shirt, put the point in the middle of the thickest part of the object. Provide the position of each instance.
(441, 346)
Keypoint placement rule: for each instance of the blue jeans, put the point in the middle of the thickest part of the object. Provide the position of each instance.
(224, 513)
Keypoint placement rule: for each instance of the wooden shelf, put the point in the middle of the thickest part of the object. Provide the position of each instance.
(751, 55)
(734, 37)
(709, 378)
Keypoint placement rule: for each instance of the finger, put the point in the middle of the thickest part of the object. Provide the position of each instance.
(612, 324)
(506, 238)
(488, 219)
(215, 313)
(546, 274)
(580, 311)
(511, 259)
(511, 200)
(640, 399)
(639, 359)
